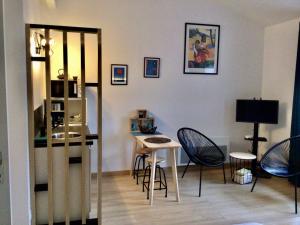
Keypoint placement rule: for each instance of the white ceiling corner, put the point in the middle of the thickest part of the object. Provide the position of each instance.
(266, 12)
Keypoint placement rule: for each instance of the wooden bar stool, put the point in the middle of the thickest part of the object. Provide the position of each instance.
(141, 156)
(147, 174)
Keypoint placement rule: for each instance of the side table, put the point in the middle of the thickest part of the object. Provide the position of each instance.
(239, 160)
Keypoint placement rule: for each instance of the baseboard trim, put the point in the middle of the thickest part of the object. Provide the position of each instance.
(112, 173)
(179, 169)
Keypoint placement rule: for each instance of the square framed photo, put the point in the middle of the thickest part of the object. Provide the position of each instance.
(151, 67)
(119, 74)
(201, 49)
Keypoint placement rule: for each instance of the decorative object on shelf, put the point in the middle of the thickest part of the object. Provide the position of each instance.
(142, 123)
(75, 118)
(119, 74)
(151, 67)
(40, 42)
(56, 106)
(146, 123)
(60, 74)
(142, 113)
(134, 125)
(201, 48)
(147, 130)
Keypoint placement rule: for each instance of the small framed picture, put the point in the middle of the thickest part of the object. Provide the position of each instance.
(119, 74)
(151, 67)
(201, 49)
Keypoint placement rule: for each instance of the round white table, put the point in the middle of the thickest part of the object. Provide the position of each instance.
(239, 160)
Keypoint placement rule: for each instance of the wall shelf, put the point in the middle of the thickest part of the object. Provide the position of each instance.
(41, 187)
(91, 84)
(38, 59)
(62, 99)
(57, 111)
(92, 137)
(75, 160)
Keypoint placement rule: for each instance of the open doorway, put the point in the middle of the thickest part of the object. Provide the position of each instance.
(65, 127)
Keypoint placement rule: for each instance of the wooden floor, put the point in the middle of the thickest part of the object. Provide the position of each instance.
(272, 202)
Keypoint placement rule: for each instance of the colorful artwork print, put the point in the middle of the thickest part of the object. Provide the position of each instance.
(119, 74)
(201, 48)
(151, 67)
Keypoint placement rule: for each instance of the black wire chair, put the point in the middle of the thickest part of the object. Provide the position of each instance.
(201, 150)
(277, 161)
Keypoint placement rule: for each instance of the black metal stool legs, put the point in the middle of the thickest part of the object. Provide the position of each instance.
(147, 170)
(148, 187)
(138, 170)
(166, 186)
(162, 182)
(137, 163)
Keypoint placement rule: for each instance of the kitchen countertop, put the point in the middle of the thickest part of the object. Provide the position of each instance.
(41, 141)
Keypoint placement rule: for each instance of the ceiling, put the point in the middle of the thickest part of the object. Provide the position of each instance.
(266, 12)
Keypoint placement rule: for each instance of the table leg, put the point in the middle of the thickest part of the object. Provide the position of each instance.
(174, 172)
(152, 176)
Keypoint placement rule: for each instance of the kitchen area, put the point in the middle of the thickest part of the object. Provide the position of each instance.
(64, 93)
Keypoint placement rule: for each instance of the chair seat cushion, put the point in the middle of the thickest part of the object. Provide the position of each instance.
(279, 171)
(209, 159)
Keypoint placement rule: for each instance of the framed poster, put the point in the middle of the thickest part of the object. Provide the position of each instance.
(119, 74)
(151, 67)
(201, 49)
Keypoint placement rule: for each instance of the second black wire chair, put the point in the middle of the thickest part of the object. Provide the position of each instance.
(278, 162)
(201, 150)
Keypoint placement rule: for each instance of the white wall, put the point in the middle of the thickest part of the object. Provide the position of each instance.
(280, 53)
(16, 98)
(133, 29)
(4, 169)
(39, 84)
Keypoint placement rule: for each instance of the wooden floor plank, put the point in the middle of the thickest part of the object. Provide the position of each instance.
(271, 203)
